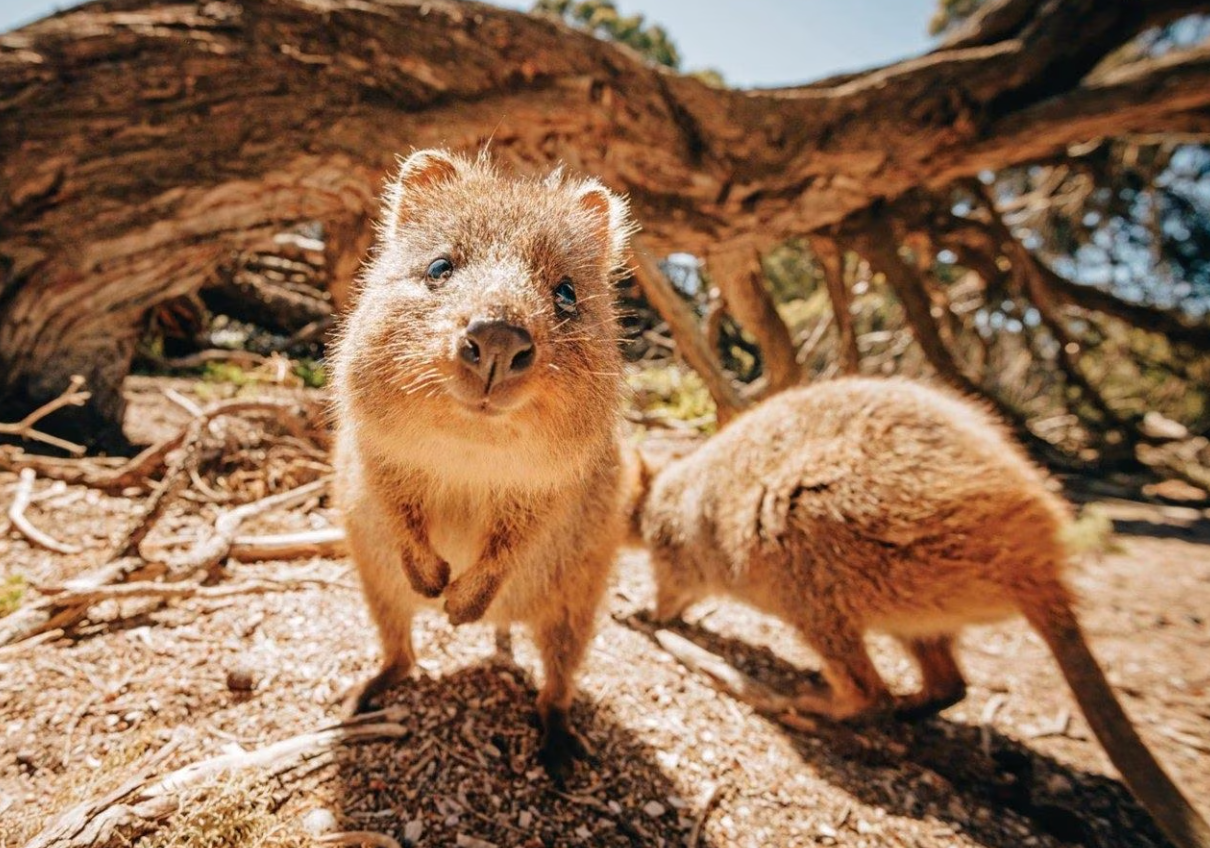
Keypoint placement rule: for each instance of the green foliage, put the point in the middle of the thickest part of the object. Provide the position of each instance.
(672, 392)
(602, 19)
(1091, 533)
(12, 591)
(226, 372)
(312, 372)
(710, 76)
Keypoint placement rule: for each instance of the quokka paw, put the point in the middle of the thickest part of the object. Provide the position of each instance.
(430, 580)
(468, 597)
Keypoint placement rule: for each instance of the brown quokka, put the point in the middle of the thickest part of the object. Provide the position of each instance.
(477, 386)
(868, 504)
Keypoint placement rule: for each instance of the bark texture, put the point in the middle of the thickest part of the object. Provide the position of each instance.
(144, 143)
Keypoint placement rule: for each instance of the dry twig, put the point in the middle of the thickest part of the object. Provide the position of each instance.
(359, 837)
(328, 542)
(699, 823)
(143, 803)
(16, 514)
(24, 429)
(210, 552)
(137, 472)
(70, 604)
(725, 677)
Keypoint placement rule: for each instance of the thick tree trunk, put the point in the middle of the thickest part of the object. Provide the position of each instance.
(144, 142)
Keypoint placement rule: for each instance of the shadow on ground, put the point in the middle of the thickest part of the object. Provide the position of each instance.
(965, 775)
(468, 771)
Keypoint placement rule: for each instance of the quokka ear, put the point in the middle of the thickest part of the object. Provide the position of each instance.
(423, 171)
(611, 216)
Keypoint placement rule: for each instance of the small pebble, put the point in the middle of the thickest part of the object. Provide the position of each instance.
(465, 841)
(413, 830)
(241, 678)
(319, 821)
(654, 809)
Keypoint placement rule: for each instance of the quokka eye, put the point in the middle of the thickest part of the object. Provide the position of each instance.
(439, 270)
(565, 297)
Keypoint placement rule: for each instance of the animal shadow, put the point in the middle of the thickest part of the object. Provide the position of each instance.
(966, 775)
(468, 768)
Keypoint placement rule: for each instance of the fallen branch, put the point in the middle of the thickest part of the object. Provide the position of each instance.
(16, 514)
(359, 837)
(699, 821)
(62, 596)
(70, 605)
(722, 675)
(141, 804)
(210, 552)
(329, 542)
(138, 472)
(24, 429)
(725, 677)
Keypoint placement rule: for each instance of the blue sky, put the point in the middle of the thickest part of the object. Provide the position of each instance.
(756, 42)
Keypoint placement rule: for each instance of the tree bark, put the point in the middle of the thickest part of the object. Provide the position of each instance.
(690, 342)
(742, 281)
(144, 142)
(877, 242)
(830, 256)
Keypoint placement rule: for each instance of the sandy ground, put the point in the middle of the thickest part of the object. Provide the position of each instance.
(1013, 765)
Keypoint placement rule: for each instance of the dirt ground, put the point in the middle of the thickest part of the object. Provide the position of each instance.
(674, 759)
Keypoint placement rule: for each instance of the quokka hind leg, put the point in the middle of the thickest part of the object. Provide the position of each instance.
(855, 690)
(943, 684)
(391, 604)
(562, 641)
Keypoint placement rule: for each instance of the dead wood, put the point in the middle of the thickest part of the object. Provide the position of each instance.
(741, 279)
(16, 514)
(724, 676)
(25, 429)
(71, 603)
(244, 140)
(209, 553)
(359, 837)
(154, 590)
(145, 802)
(830, 256)
(329, 542)
(139, 471)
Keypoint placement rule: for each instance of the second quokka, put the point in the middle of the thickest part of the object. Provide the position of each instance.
(867, 504)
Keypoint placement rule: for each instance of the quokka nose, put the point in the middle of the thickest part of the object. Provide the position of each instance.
(496, 351)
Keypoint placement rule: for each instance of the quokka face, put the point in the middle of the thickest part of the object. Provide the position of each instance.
(488, 299)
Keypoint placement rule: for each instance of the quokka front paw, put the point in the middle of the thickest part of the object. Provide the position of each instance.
(468, 597)
(429, 579)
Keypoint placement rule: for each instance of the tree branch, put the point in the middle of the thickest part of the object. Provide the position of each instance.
(741, 279)
(830, 256)
(689, 340)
